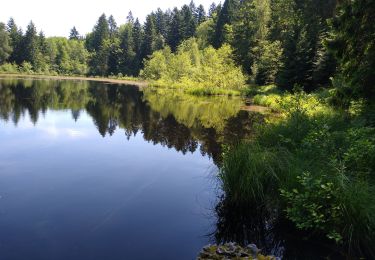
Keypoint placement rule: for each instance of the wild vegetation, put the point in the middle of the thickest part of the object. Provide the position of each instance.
(206, 71)
(314, 166)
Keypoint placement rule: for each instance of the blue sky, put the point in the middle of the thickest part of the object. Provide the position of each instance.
(56, 18)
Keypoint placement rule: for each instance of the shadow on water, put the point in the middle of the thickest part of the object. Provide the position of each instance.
(273, 234)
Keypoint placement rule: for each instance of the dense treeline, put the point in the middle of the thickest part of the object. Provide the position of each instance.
(33, 52)
(108, 50)
(286, 42)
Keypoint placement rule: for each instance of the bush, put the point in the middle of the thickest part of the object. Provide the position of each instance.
(196, 71)
(26, 68)
(10, 68)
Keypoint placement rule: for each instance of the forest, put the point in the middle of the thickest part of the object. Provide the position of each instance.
(310, 61)
(282, 42)
(269, 41)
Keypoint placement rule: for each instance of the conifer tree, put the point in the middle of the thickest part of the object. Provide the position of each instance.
(188, 22)
(30, 45)
(138, 39)
(200, 14)
(16, 36)
(353, 45)
(149, 40)
(127, 60)
(74, 34)
(226, 18)
(99, 35)
(5, 49)
(112, 25)
(175, 30)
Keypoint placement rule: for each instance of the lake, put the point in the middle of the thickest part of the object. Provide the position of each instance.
(91, 170)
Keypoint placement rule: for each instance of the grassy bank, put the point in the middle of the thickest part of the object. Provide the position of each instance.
(194, 88)
(315, 166)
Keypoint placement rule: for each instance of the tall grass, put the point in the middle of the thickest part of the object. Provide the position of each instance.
(315, 168)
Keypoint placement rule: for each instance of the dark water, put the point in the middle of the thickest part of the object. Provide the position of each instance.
(99, 171)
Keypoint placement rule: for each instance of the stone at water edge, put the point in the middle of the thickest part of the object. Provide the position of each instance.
(232, 251)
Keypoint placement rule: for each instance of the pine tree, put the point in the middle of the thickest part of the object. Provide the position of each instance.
(148, 46)
(189, 24)
(30, 45)
(127, 50)
(161, 22)
(175, 30)
(99, 35)
(5, 48)
(16, 36)
(74, 34)
(353, 44)
(299, 26)
(99, 44)
(213, 9)
(138, 35)
(113, 29)
(226, 18)
(251, 29)
(130, 18)
(200, 14)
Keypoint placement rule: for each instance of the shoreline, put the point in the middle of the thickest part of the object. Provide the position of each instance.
(140, 84)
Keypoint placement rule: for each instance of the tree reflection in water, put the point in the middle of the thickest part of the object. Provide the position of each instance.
(183, 122)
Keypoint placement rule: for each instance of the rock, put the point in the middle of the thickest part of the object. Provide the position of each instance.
(232, 250)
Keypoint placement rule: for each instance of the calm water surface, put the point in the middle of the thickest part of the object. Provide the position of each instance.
(98, 171)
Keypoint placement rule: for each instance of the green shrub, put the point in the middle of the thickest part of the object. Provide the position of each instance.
(315, 205)
(26, 68)
(10, 68)
(207, 71)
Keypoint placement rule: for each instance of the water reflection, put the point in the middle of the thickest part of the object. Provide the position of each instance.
(173, 120)
(184, 123)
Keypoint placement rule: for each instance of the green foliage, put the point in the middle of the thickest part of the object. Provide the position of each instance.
(267, 62)
(315, 205)
(353, 43)
(30, 45)
(9, 68)
(313, 166)
(68, 57)
(205, 32)
(225, 19)
(360, 156)
(301, 26)
(250, 31)
(26, 68)
(5, 48)
(149, 41)
(208, 70)
(16, 42)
